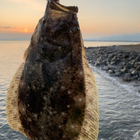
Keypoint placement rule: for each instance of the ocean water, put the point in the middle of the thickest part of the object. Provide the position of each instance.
(106, 43)
(119, 103)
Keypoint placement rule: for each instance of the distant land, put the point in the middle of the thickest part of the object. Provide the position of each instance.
(120, 38)
(114, 38)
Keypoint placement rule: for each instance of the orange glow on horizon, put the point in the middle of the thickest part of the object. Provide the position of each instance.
(26, 30)
(16, 30)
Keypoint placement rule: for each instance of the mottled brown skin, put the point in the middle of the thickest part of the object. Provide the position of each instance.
(52, 90)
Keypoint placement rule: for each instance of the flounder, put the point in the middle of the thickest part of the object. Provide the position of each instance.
(53, 95)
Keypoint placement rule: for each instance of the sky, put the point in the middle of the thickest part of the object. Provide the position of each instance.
(97, 18)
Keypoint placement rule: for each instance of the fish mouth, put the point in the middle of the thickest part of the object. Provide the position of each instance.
(60, 7)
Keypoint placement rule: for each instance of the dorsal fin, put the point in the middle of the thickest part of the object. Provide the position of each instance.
(26, 53)
(12, 102)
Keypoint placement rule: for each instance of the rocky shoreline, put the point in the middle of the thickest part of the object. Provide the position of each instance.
(115, 61)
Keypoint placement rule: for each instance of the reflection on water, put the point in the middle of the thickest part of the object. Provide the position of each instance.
(11, 55)
(119, 109)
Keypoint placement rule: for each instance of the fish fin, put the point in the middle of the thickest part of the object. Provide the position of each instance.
(90, 124)
(12, 112)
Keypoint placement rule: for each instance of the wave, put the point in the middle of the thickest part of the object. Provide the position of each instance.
(132, 87)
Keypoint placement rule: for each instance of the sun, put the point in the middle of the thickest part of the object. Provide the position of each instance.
(25, 30)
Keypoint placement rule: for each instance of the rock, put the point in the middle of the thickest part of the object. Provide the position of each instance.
(135, 72)
(126, 55)
(110, 51)
(93, 63)
(134, 77)
(131, 70)
(114, 58)
(112, 67)
(138, 68)
(126, 79)
(133, 55)
(113, 62)
(138, 58)
(110, 71)
(119, 55)
(112, 74)
(118, 74)
(117, 63)
(127, 75)
(97, 64)
(109, 59)
(119, 67)
(129, 65)
(111, 56)
(122, 63)
(105, 68)
(117, 70)
(124, 70)
(136, 64)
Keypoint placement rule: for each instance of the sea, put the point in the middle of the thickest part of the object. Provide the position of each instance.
(119, 102)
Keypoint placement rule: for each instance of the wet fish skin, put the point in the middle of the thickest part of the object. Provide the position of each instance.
(52, 83)
(56, 96)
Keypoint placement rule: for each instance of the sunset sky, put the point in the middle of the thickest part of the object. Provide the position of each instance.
(97, 18)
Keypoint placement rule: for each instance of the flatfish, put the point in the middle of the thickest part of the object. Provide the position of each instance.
(53, 95)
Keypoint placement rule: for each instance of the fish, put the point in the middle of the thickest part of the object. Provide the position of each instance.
(53, 95)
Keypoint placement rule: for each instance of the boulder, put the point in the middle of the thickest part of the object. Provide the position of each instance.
(110, 71)
(111, 56)
(134, 77)
(114, 58)
(127, 75)
(129, 65)
(136, 64)
(138, 68)
(105, 68)
(113, 62)
(135, 72)
(131, 70)
(123, 63)
(97, 64)
(126, 79)
(126, 55)
(119, 55)
(124, 70)
(118, 74)
(112, 67)
(117, 70)
(138, 58)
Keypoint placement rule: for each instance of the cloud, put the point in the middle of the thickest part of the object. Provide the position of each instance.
(7, 27)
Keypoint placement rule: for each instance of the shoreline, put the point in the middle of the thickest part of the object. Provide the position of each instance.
(118, 61)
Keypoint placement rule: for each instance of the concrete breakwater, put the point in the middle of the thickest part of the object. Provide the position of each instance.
(115, 61)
